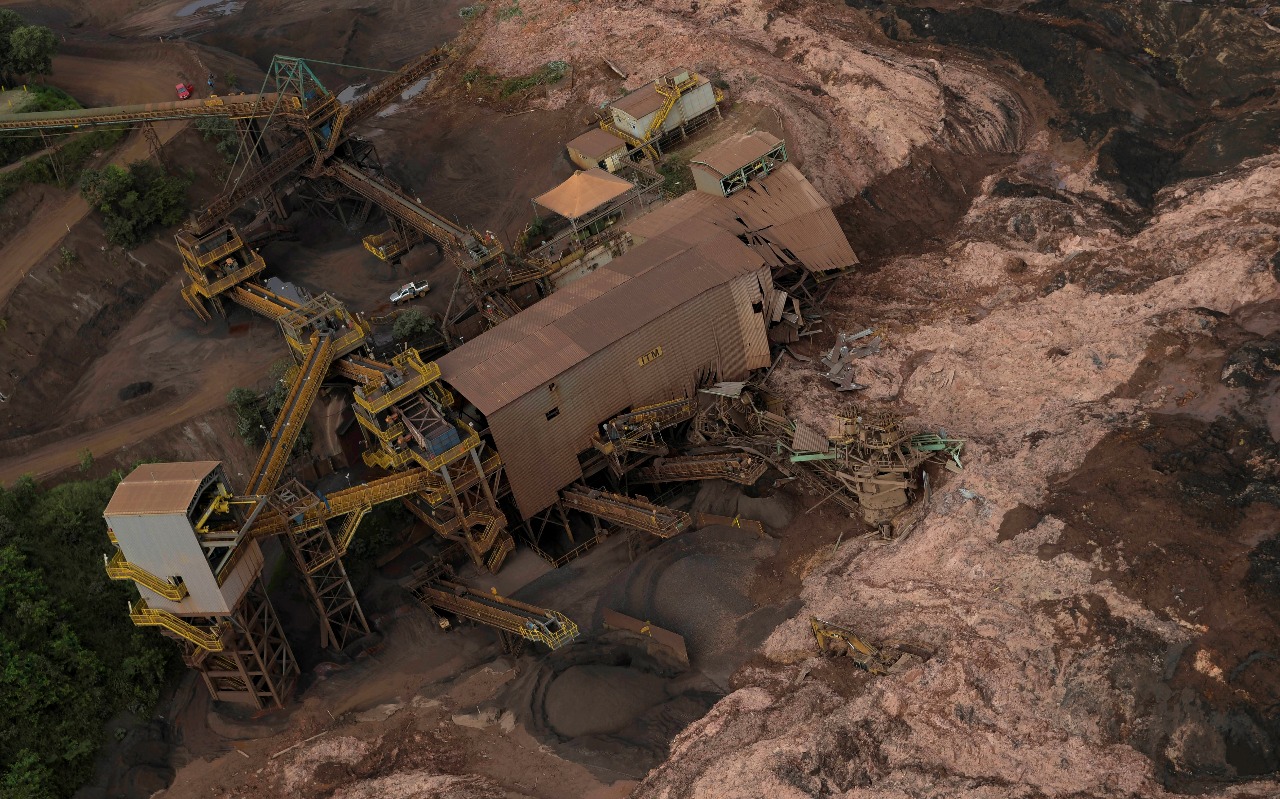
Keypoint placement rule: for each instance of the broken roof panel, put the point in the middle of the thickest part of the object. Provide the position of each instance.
(789, 212)
(778, 214)
(584, 192)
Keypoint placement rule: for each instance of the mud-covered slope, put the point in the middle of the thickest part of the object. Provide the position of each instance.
(1071, 213)
(1085, 584)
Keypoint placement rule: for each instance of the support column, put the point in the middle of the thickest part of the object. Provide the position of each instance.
(342, 620)
(256, 665)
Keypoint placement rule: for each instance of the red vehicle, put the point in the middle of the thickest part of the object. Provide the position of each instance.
(184, 90)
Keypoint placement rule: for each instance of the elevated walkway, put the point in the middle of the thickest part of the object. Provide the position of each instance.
(263, 301)
(236, 106)
(626, 511)
(407, 374)
(395, 202)
(264, 177)
(284, 434)
(549, 627)
(736, 467)
(341, 503)
(365, 371)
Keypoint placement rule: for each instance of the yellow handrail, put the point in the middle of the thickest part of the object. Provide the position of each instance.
(120, 569)
(207, 638)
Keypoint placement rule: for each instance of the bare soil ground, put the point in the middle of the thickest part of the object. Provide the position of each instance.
(1068, 224)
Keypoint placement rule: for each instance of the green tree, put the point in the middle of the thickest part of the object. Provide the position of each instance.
(69, 657)
(31, 50)
(250, 422)
(10, 21)
(410, 323)
(222, 132)
(52, 685)
(134, 201)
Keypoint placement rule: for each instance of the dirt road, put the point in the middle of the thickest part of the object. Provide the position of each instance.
(92, 81)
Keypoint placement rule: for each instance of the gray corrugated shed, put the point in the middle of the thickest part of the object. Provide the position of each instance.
(159, 488)
(541, 342)
(733, 154)
(645, 100)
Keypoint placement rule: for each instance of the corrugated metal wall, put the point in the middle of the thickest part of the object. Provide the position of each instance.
(691, 104)
(708, 333)
(166, 546)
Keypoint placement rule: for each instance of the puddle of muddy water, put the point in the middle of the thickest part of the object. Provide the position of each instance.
(351, 92)
(217, 8)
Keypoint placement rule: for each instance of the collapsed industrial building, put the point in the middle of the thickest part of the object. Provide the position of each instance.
(617, 354)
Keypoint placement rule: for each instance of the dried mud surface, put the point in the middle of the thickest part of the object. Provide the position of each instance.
(1070, 236)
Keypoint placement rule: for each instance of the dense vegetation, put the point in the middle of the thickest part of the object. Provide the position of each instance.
(69, 657)
(15, 144)
(256, 412)
(71, 151)
(24, 49)
(135, 201)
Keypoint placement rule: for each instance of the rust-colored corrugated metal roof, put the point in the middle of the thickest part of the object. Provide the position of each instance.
(597, 143)
(543, 341)
(663, 218)
(584, 192)
(786, 210)
(776, 214)
(734, 153)
(156, 488)
(640, 103)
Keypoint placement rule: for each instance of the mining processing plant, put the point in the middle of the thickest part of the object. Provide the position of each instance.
(618, 355)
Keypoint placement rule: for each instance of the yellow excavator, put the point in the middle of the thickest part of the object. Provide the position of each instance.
(892, 658)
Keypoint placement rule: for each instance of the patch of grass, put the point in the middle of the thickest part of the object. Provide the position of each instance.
(472, 11)
(510, 12)
(16, 144)
(71, 160)
(487, 83)
(548, 73)
(677, 177)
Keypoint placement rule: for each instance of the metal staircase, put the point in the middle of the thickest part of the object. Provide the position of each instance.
(120, 569)
(207, 638)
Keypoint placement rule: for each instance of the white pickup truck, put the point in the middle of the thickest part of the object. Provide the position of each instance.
(410, 290)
